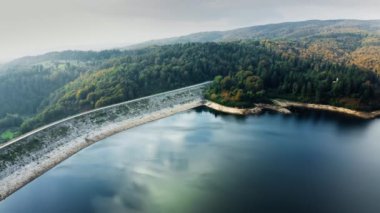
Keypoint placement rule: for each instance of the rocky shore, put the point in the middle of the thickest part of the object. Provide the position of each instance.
(259, 108)
(350, 112)
(282, 106)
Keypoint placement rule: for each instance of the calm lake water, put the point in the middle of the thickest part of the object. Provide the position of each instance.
(199, 161)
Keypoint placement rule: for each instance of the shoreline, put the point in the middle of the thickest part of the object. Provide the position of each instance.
(27, 173)
(282, 106)
(259, 108)
(329, 108)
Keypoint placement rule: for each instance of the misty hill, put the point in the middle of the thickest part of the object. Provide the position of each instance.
(288, 30)
(37, 90)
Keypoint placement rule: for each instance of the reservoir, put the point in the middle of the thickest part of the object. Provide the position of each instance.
(203, 161)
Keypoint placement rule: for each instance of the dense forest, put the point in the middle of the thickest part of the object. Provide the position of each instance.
(241, 89)
(338, 68)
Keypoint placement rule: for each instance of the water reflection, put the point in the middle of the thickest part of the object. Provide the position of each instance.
(202, 161)
(224, 116)
(342, 121)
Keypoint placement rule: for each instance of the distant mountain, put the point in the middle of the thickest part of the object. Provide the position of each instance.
(354, 42)
(288, 30)
(69, 55)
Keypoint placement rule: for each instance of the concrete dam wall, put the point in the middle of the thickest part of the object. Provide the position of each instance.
(30, 155)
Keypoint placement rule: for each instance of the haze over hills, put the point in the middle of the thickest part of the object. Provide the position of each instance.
(288, 30)
(355, 38)
(306, 31)
(299, 61)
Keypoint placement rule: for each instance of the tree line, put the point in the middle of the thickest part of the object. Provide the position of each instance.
(245, 71)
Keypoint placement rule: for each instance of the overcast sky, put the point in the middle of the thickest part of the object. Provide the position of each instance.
(29, 27)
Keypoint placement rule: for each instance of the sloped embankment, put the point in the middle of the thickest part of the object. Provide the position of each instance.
(29, 156)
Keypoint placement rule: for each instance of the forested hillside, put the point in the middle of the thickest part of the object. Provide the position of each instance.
(27, 82)
(336, 65)
(284, 74)
(350, 41)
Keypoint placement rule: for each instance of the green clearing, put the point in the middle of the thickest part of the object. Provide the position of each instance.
(7, 135)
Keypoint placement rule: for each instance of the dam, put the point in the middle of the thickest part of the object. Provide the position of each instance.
(27, 157)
